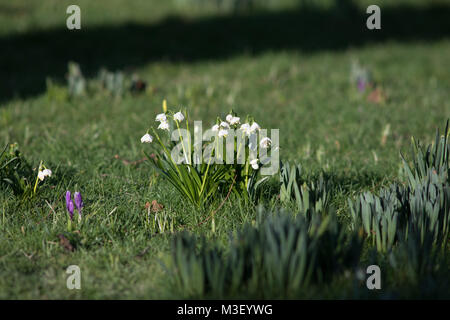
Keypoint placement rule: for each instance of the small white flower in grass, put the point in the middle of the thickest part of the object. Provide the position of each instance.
(229, 117)
(215, 128)
(265, 143)
(44, 173)
(146, 138)
(223, 133)
(164, 125)
(254, 164)
(41, 175)
(161, 117)
(47, 172)
(178, 116)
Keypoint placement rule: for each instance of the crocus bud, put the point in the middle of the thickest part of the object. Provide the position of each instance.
(78, 202)
(69, 204)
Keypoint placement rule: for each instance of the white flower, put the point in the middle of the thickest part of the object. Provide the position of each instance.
(225, 125)
(245, 128)
(235, 120)
(161, 117)
(265, 143)
(164, 125)
(232, 120)
(223, 133)
(178, 116)
(41, 175)
(146, 138)
(47, 172)
(254, 127)
(254, 164)
(215, 127)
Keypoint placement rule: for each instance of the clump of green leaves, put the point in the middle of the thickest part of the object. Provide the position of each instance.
(278, 258)
(421, 208)
(432, 158)
(310, 196)
(15, 172)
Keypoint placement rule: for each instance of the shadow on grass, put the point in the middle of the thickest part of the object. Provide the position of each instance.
(27, 59)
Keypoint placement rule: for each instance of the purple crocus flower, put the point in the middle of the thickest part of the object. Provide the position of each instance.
(69, 204)
(361, 85)
(78, 202)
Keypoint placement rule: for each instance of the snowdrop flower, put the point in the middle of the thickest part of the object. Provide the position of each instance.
(215, 128)
(245, 128)
(223, 133)
(232, 120)
(265, 143)
(254, 164)
(41, 175)
(161, 117)
(178, 116)
(44, 173)
(254, 127)
(235, 120)
(225, 125)
(164, 125)
(146, 138)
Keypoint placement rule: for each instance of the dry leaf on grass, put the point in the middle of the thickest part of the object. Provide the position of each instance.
(154, 206)
(65, 243)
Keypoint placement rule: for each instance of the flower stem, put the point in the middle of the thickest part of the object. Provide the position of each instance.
(37, 178)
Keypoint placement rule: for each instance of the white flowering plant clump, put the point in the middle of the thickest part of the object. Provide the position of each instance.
(225, 158)
(16, 172)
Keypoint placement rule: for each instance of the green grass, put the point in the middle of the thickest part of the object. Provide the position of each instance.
(297, 85)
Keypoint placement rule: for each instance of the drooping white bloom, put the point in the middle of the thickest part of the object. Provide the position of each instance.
(223, 133)
(245, 128)
(215, 128)
(254, 127)
(265, 142)
(225, 125)
(234, 120)
(161, 117)
(47, 172)
(44, 173)
(254, 164)
(41, 175)
(146, 138)
(164, 125)
(178, 116)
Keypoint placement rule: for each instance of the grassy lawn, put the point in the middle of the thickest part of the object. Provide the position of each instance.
(287, 66)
